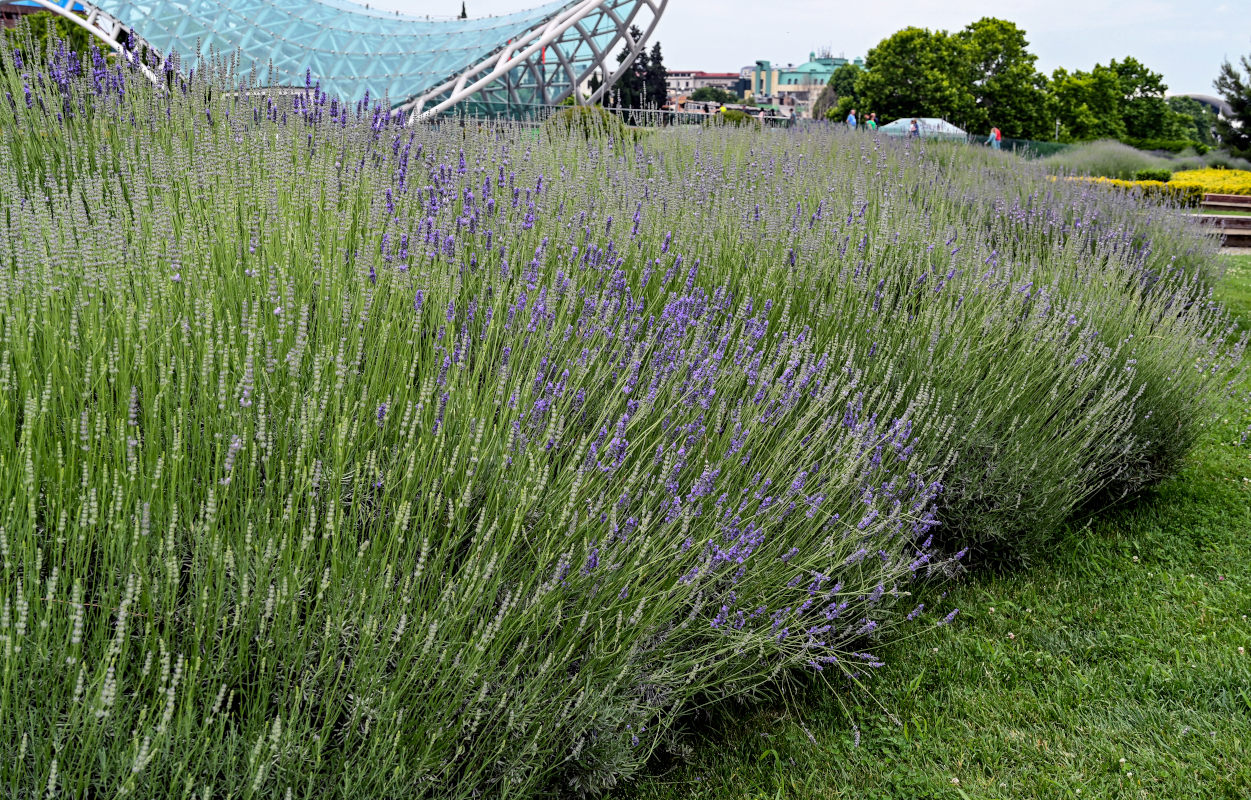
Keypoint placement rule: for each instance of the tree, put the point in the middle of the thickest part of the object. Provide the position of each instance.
(629, 88)
(1124, 100)
(843, 81)
(985, 75)
(1143, 109)
(714, 94)
(1008, 92)
(825, 104)
(657, 91)
(1235, 130)
(1088, 104)
(840, 94)
(1192, 120)
(916, 72)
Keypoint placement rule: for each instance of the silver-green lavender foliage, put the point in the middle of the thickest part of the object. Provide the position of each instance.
(1112, 159)
(348, 459)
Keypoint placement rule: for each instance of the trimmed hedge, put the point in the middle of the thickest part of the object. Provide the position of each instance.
(1161, 175)
(734, 117)
(593, 122)
(1184, 194)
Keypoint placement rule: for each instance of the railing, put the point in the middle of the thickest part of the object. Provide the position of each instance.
(635, 117)
(1031, 148)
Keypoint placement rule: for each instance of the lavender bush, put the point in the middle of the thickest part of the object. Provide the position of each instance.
(353, 459)
(1112, 159)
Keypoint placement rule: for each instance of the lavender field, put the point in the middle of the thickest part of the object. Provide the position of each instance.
(350, 459)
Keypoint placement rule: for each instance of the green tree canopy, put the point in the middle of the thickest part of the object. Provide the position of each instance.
(825, 103)
(841, 93)
(1088, 104)
(630, 87)
(1235, 132)
(843, 81)
(985, 75)
(1008, 92)
(916, 72)
(656, 92)
(1192, 120)
(714, 94)
(1143, 108)
(982, 76)
(1123, 100)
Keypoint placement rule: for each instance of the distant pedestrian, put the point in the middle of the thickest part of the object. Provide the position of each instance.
(914, 130)
(872, 123)
(994, 139)
(851, 119)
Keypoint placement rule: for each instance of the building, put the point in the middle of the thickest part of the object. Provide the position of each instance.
(681, 82)
(421, 66)
(11, 15)
(795, 86)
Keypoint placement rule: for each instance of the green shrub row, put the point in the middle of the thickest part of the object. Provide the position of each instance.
(590, 122)
(1160, 175)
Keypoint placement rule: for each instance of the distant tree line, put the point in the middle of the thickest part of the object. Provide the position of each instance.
(985, 75)
(715, 94)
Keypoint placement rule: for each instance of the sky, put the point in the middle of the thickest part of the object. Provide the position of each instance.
(1185, 40)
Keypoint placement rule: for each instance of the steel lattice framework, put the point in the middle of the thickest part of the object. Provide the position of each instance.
(489, 66)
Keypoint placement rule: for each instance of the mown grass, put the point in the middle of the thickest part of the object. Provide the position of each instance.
(1224, 212)
(1112, 670)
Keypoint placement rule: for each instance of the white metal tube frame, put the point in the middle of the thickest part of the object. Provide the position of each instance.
(562, 31)
(565, 31)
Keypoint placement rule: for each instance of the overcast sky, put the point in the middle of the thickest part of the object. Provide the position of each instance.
(1186, 40)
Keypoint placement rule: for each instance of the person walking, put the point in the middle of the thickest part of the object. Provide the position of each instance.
(914, 129)
(994, 139)
(872, 123)
(851, 119)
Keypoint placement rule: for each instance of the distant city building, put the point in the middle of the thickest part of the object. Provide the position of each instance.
(795, 86)
(682, 82)
(744, 79)
(11, 15)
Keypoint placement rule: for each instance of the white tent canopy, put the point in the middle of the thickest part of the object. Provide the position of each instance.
(930, 127)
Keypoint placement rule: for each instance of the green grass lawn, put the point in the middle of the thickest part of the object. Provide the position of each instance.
(1115, 669)
(1225, 212)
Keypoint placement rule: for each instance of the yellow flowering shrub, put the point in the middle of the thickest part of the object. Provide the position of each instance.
(1184, 194)
(1215, 181)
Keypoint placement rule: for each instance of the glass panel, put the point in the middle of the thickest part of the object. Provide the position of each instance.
(352, 50)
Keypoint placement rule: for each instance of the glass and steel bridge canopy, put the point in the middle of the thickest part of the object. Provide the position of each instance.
(492, 65)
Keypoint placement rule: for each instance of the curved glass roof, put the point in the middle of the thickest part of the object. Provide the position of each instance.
(352, 50)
